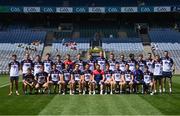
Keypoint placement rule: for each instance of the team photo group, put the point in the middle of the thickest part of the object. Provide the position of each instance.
(150, 75)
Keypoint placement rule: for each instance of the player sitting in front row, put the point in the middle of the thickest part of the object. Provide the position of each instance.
(118, 78)
(41, 79)
(28, 81)
(55, 80)
(129, 77)
(147, 81)
(108, 79)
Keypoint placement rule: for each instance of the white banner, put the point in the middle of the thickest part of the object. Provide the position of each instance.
(129, 9)
(162, 9)
(31, 9)
(64, 9)
(97, 9)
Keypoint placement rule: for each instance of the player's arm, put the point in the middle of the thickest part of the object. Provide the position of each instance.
(61, 78)
(132, 77)
(48, 77)
(9, 67)
(122, 78)
(113, 77)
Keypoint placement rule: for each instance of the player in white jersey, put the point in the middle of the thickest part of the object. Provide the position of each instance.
(112, 62)
(149, 62)
(168, 69)
(108, 79)
(129, 77)
(79, 61)
(59, 63)
(47, 63)
(37, 64)
(91, 62)
(141, 62)
(132, 62)
(122, 63)
(14, 67)
(101, 61)
(157, 73)
(118, 78)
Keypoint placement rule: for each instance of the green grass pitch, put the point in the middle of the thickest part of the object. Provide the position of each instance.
(164, 104)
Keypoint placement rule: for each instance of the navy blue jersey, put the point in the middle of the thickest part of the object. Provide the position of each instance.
(29, 78)
(98, 75)
(66, 74)
(138, 75)
(41, 77)
(54, 75)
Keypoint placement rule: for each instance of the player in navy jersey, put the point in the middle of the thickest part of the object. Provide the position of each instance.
(157, 64)
(149, 62)
(90, 61)
(14, 67)
(129, 77)
(59, 64)
(55, 80)
(76, 79)
(108, 79)
(141, 62)
(112, 62)
(87, 77)
(118, 78)
(138, 76)
(25, 64)
(122, 63)
(98, 79)
(66, 75)
(168, 69)
(132, 62)
(47, 63)
(101, 61)
(41, 80)
(147, 81)
(80, 62)
(37, 64)
(28, 81)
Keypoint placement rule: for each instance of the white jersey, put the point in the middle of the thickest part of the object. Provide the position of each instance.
(112, 64)
(37, 66)
(149, 63)
(147, 77)
(14, 68)
(117, 75)
(47, 65)
(157, 68)
(102, 63)
(25, 65)
(167, 64)
(122, 65)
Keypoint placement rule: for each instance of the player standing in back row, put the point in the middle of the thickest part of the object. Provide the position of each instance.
(168, 69)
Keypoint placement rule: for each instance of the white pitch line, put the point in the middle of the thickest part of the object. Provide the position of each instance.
(4, 85)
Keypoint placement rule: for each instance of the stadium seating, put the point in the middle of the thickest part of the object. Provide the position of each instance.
(166, 39)
(15, 42)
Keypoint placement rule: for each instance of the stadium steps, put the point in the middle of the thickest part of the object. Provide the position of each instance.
(147, 49)
(47, 49)
(145, 39)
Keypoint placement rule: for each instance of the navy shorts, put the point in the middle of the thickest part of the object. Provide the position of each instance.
(157, 77)
(117, 82)
(14, 78)
(23, 76)
(167, 74)
(55, 82)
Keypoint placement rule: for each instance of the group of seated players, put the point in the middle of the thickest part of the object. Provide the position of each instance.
(99, 76)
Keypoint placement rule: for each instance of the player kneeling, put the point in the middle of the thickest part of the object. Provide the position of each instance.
(118, 78)
(41, 79)
(76, 79)
(148, 81)
(87, 77)
(28, 81)
(128, 75)
(55, 80)
(108, 79)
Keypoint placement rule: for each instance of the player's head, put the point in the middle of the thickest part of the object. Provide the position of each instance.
(117, 65)
(78, 56)
(137, 66)
(87, 66)
(157, 57)
(107, 66)
(131, 56)
(146, 68)
(97, 67)
(76, 67)
(54, 66)
(26, 56)
(127, 66)
(66, 66)
(122, 57)
(111, 56)
(140, 56)
(29, 71)
(37, 58)
(41, 68)
(89, 56)
(68, 56)
(48, 55)
(149, 56)
(14, 57)
(166, 53)
(58, 57)
(101, 54)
